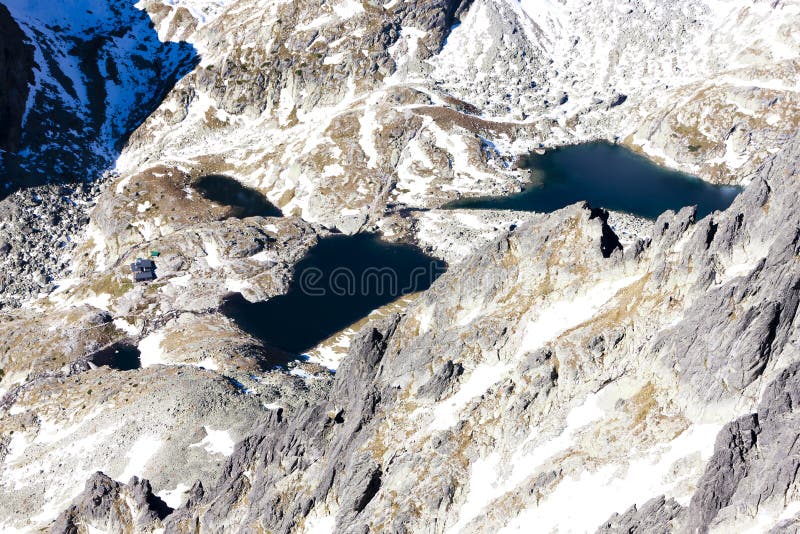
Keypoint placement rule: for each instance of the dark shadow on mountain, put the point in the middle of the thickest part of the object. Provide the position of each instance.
(115, 73)
(16, 74)
(241, 200)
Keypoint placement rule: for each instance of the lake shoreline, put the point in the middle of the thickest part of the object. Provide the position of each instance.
(608, 176)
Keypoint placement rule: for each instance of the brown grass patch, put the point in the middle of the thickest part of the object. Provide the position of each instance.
(447, 118)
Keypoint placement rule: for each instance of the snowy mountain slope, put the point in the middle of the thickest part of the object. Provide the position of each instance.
(553, 363)
(626, 77)
(282, 127)
(80, 77)
(177, 20)
(16, 69)
(99, 71)
(284, 91)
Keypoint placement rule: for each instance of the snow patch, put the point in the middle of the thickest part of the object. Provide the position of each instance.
(16, 448)
(742, 261)
(123, 184)
(203, 11)
(212, 254)
(264, 256)
(316, 524)
(334, 59)
(485, 484)
(100, 301)
(613, 488)
(768, 516)
(95, 235)
(181, 281)
(139, 454)
(445, 414)
(468, 312)
(126, 327)
(52, 432)
(237, 286)
(425, 318)
(330, 355)
(301, 373)
(150, 350)
(177, 497)
(369, 125)
(348, 9)
(562, 315)
(208, 363)
(332, 170)
(216, 442)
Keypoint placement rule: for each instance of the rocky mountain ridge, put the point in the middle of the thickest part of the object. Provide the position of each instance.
(449, 420)
(648, 373)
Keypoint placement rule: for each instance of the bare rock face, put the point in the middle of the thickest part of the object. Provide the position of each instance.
(111, 506)
(727, 467)
(655, 516)
(752, 469)
(750, 473)
(284, 449)
(16, 74)
(648, 375)
(342, 450)
(738, 246)
(170, 424)
(428, 408)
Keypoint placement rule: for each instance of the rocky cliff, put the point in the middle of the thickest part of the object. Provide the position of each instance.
(555, 365)
(578, 370)
(16, 74)
(654, 382)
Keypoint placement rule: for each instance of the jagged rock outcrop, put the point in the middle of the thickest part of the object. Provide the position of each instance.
(110, 506)
(654, 517)
(748, 480)
(751, 477)
(726, 468)
(384, 433)
(283, 450)
(647, 375)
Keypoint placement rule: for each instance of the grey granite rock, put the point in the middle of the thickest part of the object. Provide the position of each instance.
(719, 353)
(553, 350)
(443, 380)
(282, 449)
(735, 445)
(755, 461)
(111, 506)
(656, 516)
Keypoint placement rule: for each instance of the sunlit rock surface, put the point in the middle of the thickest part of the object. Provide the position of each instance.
(645, 370)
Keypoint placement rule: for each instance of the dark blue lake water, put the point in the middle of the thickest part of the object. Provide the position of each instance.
(341, 280)
(242, 201)
(120, 356)
(607, 176)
